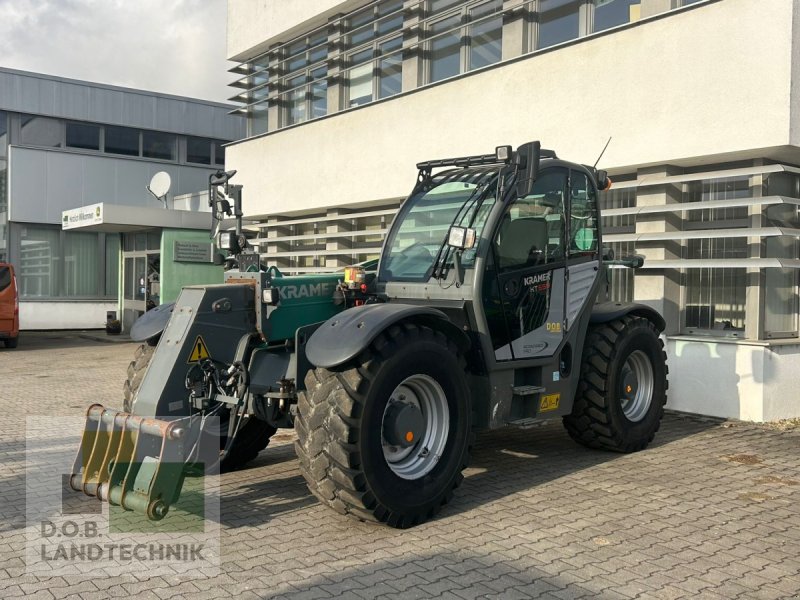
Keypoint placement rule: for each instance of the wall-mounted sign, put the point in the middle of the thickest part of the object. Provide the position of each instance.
(196, 252)
(80, 217)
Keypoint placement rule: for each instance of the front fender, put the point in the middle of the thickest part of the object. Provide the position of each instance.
(609, 311)
(152, 323)
(343, 337)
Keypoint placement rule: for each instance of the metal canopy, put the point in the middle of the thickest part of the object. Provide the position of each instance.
(118, 218)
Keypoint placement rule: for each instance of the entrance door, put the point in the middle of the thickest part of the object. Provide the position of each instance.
(526, 276)
(141, 274)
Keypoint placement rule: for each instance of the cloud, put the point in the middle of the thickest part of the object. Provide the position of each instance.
(170, 46)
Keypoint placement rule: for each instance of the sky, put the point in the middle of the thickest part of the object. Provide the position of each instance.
(170, 46)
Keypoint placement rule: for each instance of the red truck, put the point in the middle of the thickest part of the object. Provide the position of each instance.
(9, 306)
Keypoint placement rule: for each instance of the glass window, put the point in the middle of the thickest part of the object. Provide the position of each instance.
(3, 134)
(297, 101)
(39, 272)
(445, 50)
(130, 277)
(219, 154)
(258, 119)
(583, 237)
(617, 12)
(158, 145)
(559, 21)
(319, 93)
(198, 150)
(112, 265)
(716, 297)
(41, 131)
(486, 35)
(81, 264)
(391, 68)
(361, 78)
(532, 231)
(781, 306)
(425, 219)
(83, 135)
(438, 6)
(121, 140)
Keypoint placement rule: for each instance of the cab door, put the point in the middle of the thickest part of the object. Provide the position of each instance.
(525, 281)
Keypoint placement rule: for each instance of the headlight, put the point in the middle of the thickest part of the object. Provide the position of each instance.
(227, 240)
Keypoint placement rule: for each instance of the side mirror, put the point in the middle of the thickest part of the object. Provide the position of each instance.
(527, 159)
(462, 238)
(603, 181)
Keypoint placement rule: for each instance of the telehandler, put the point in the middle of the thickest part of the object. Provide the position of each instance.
(483, 312)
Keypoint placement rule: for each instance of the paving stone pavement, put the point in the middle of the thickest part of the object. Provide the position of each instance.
(710, 510)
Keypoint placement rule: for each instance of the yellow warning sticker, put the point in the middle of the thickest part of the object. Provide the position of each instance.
(199, 350)
(549, 402)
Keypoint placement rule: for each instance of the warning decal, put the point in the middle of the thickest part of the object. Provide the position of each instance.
(199, 350)
(549, 402)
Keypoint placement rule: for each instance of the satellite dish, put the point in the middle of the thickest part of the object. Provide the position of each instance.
(159, 184)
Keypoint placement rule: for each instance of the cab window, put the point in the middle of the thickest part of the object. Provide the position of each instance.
(583, 216)
(532, 230)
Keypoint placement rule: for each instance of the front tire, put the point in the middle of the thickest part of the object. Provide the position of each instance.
(621, 395)
(386, 439)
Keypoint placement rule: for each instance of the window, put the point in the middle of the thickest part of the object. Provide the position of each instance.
(781, 306)
(376, 66)
(258, 119)
(64, 264)
(198, 151)
(81, 264)
(305, 87)
(532, 231)
(158, 145)
(84, 136)
(559, 21)
(219, 154)
(468, 36)
(39, 272)
(112, 265)
(616, 12)
(41, 131)
(583, 238)
(121, 140)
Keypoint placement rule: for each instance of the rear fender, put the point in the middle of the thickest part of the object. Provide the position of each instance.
(610, 311)
(346, 335)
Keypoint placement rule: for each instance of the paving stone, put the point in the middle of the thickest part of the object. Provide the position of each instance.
(537, 515)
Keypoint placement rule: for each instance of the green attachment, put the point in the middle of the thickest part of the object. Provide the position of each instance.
(304, 299)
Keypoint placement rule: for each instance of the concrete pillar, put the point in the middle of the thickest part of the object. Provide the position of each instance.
(515, 30)
(337, 79)
(659, 288)
(755, 298)
(273, 230)
(338, 243)
(274, 112)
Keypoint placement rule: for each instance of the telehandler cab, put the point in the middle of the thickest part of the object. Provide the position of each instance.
(483, 313)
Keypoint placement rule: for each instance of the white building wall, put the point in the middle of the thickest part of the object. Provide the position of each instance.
(752, 381)
(63, 315)
(702, 83)
(254, 24)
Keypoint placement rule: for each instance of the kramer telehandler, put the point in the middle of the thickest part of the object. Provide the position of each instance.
(483, 313)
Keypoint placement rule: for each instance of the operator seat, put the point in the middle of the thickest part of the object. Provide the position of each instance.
(519, 240)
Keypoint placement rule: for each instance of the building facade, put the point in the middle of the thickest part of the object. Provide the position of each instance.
(66, 144)
(699, 97)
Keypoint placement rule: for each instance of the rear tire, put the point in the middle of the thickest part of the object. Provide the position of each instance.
(344, 422)
(621, 395)
(253, 436)
(12, 342)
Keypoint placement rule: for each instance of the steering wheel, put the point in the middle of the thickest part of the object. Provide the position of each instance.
(417, 245)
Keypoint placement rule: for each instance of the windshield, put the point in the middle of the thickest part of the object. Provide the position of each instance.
(462, 197)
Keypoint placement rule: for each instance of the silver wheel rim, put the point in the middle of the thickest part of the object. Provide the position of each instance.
(639, 370)
(428, 396)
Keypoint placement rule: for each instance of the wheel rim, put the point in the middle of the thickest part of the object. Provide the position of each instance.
(417, 460)
(637, 386)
